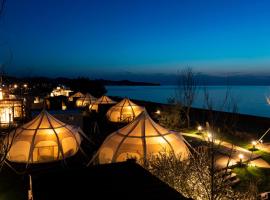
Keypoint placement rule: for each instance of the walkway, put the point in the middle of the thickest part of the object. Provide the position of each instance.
(226, 149)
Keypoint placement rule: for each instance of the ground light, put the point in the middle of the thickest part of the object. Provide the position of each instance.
(241, 156)
(199, 128)
(209, 135)
(254, 143)
(158, 112)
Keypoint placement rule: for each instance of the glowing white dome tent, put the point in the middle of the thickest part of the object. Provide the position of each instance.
(141, 138)
(85, 101)
(102, 100)
(43, 139)
(124, 111)
(76, 95)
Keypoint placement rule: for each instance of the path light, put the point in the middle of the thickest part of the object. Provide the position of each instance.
(209, 136)
(199, 128)
(158, 112)
(241, 156)
(254, 144)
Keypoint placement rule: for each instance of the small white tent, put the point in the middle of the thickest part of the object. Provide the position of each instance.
(85, 101)
(141, 138)
(76, 95)
(43, 139)
(102, 100)
(124, 111)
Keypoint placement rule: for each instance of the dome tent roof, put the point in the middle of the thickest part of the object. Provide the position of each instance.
(124, 111)
(43, 139)
(86, 100)
(105, 100)
(141, 138)
(77, 94)
(102, 100)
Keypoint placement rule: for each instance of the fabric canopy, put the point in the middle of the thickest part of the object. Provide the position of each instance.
(101, 100)
(43, 139)
(139, 139)
(85, 101)
(124, 111)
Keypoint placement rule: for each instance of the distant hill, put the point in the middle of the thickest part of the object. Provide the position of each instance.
(126, 82)
(202, 79)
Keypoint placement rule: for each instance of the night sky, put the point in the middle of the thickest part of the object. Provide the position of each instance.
(105, 38)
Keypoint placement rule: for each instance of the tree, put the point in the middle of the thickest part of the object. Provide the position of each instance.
(193, 178)
(186, 91)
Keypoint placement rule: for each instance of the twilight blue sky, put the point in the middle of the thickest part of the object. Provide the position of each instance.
(101, 38)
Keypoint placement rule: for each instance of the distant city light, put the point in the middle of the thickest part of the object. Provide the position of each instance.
(15, 86)
(158, 112)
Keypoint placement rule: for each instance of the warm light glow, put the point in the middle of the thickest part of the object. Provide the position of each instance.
(50, 132)
(158, 112)
(36, 100)
(6, 115)
(1, 94)
(64, 107)
(253, 143)
(199, 128)
(209, 135)
(25, 85)
(261, 141)
(241, 156)
(15, 86)
(60, 91)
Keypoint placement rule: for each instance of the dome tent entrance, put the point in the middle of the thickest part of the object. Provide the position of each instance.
(44, 139)
(102, 100)
(141, 138)
(124, 111)
(85, 100)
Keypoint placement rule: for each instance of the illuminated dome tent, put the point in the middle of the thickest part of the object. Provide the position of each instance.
(139, 139)
(76, 95)
(124, 111)
(43, 139)
(86, 100)
(102, 100)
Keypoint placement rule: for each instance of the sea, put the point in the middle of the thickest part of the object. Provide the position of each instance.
(250, 100)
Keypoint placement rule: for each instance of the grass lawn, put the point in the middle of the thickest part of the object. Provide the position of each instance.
(265, 155)
(226, 138)
(250, 175)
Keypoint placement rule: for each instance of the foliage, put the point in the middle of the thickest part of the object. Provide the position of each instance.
(171, 117)
(186, 91)
(194, 178)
